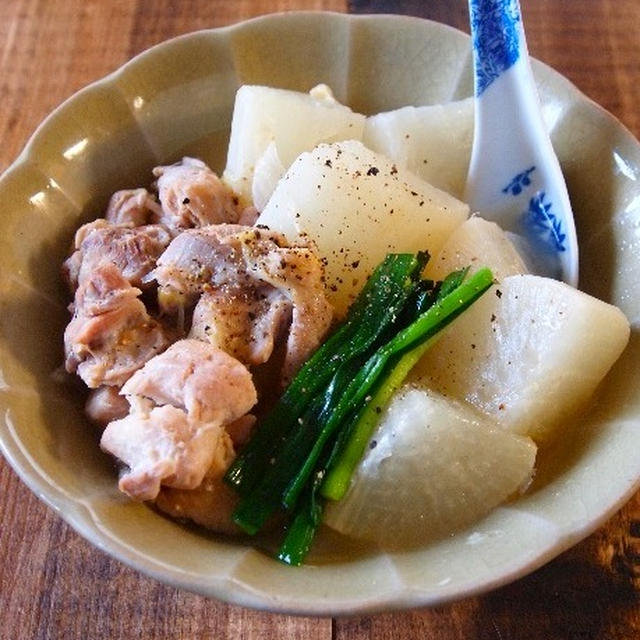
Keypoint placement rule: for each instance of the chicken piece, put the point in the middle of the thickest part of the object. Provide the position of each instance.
(241, 429)
(210, 504)
(252, 283)
(174, 434)
(133, 207)
(209, 384)
(133, 251)
(105, 404)
(248, 216)
(246, 323)
(191, 195)
(295, 271)
(161, 445)
(72, 265)
(111, 335)
(196, 258)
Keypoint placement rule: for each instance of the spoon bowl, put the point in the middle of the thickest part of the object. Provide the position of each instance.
(514, 175)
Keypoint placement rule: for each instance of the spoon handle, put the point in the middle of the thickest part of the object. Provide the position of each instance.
(514, 175)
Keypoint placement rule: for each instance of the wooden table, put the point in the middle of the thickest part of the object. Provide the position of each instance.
(55, 585)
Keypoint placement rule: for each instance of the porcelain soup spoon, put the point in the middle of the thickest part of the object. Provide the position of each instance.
(514, 175)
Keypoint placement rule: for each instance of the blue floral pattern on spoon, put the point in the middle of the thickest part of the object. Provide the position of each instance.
(543, 220)
(495, 38)
(539, 216)
(519, 182)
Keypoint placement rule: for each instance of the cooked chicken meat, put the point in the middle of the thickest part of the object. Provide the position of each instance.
(105, 404)
(180, 402)
(133, 251)
(297, 273)
(174, 415)
(212, 502)
(191, 195)
(197, 377)
(241, 429)
(196, 258)
(133, 207)
(161, 444)
(250, 284)
(248, 216)
(111, 335)
(246, 321)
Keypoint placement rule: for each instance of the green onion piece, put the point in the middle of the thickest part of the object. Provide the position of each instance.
(302, 530)
(376, 307)
(351, 442)
(266, 497)
(350, 449)
(426, 326)
(350, 446)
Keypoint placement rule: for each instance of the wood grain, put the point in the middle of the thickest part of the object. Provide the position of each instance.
(55, 585)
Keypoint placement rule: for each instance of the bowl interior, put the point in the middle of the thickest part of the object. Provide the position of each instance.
(177, 99)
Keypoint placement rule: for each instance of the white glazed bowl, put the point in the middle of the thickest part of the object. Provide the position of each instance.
(177, 99)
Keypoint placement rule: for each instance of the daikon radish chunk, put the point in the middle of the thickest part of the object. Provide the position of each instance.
(291, 121)
(476, 243)
(432, 466)
(433, 141)
(529, 354)
(357, 206)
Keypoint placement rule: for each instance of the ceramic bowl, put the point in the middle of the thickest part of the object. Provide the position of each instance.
(177, 99)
